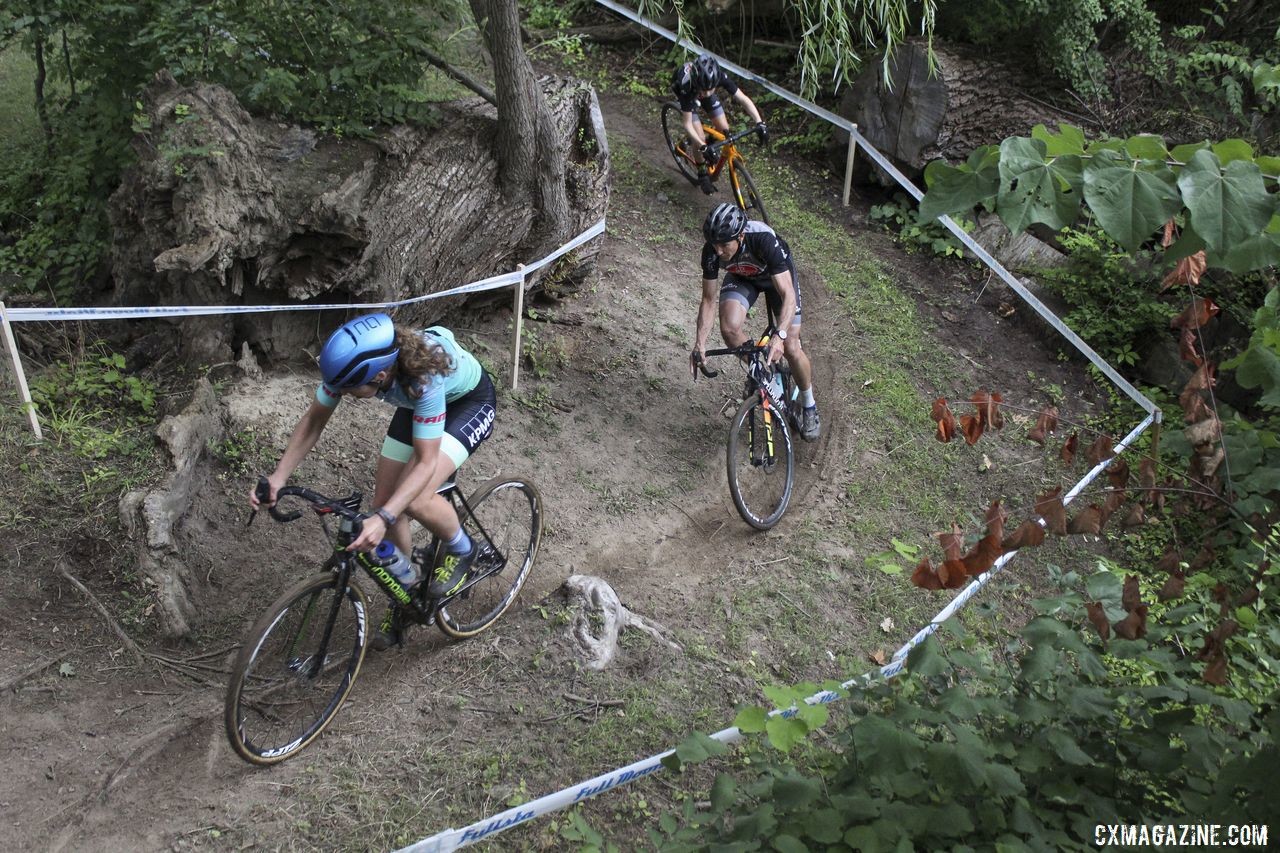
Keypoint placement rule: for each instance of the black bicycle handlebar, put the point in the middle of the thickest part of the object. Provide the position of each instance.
(343, 507)
(729, 140)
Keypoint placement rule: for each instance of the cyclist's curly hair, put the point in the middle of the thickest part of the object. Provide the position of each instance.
(418, 360)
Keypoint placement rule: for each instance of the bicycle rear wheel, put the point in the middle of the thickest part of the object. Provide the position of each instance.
(678, 141)
(744, 191)
(295, 669)
(761, 463)
(510, 513)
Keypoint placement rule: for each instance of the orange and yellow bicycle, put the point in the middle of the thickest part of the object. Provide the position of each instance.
(726, 158)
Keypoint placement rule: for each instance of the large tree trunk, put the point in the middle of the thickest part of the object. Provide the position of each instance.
(972, 101)
(530, 149)
(226, 208)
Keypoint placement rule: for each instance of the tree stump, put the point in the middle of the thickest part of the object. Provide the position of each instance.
(972, 101)
(598, 619)
(228, 208)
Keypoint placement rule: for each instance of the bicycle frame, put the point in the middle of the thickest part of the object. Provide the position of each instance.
(344, 562)
(728, 160)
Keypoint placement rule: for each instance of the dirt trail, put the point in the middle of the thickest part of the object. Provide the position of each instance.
(629, 456)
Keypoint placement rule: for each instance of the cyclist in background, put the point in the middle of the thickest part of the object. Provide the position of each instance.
(445, 407)
(755, 260)
(695, 83)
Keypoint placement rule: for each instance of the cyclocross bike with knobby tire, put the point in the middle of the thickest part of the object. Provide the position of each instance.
(727, 159)
(760, 458)
(300, 659)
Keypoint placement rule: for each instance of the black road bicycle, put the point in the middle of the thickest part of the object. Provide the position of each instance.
(760, 457)
(300, 659)
(725, 157)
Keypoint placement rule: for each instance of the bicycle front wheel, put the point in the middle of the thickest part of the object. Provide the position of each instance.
(295, 669)
(678, 141)
(760, 462)
(509, 512)
(744, 191)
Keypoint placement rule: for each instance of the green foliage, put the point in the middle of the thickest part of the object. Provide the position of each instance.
(1032, 752)
(545, 15)
(916, 232)
(896, 560)
(1063, 38)
(1259, 365)
(1112, 295)
(92, 405)
(343, 67)
(242, 454)
(835, 37)
(1219, 193)
(544, 355)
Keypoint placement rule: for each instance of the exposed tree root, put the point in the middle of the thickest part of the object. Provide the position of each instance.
(601, 617)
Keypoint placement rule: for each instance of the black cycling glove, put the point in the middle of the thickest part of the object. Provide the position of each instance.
(762, 130)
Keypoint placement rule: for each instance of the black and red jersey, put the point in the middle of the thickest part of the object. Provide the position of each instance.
(761, 255)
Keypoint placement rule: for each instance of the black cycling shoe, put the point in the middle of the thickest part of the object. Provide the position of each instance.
(450, 575)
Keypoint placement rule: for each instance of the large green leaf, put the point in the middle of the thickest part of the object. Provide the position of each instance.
(1183, 153)
(925, 660)
(1033, 189)
(955, 190)
(1260, 368)
(722, 792)
(795, 791)
(1146, 146)
(1068, 139)
(824, 825)
(1252, 253)
(1131, 198)
(785, 733)
(1233, 149)
(1226, 204)
(751, 720)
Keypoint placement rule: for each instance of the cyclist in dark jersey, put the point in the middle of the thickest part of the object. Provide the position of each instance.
(755, 260)
(695, 83)
(445, 407)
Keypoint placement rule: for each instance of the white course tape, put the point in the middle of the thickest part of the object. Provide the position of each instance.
(19, 315)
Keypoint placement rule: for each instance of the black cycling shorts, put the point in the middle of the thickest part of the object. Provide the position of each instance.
(468, 421)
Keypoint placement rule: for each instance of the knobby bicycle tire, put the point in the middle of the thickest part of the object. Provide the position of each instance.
(270, 698)
(677, 140)
(745, 193)
(760, 476)
(510, 511)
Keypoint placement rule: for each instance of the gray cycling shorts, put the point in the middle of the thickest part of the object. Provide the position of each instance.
(745, 291)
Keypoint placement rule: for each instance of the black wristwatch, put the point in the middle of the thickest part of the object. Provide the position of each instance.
(386, 515)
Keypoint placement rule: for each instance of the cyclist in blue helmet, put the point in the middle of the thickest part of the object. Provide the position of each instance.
(445, 407)
(695, 84)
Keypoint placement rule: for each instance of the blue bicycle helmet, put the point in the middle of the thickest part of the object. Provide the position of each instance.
(357, 350)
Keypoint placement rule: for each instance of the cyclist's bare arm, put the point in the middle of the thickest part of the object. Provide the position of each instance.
(749, 105)
(415, 478)
(786, 317)
(706, 314)
(304, 437)
(693, 127)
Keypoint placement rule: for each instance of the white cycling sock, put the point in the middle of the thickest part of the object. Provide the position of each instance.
(460, 543)
(809, 402)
